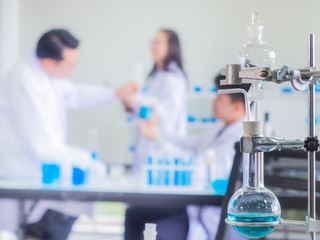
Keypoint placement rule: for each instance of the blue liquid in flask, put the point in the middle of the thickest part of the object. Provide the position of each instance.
(254, 232)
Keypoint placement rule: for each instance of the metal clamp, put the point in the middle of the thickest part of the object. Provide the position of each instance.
(311, 144)
(268, 144)
(312, 225)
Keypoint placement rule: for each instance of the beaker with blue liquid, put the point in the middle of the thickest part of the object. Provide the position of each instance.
(218, 172)
(146, 105)
(51, 169)
(51, 172)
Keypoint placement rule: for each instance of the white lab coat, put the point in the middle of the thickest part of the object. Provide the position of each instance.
(169, 90)
(33, 118)
(221, 139)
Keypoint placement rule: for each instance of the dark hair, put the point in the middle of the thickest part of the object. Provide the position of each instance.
(174, 52)
(235, 97)
(51, 44)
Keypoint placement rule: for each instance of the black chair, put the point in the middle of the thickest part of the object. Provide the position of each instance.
(234, 183)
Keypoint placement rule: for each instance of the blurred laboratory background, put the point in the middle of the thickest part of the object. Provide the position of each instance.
(115, 40)
(115, 48)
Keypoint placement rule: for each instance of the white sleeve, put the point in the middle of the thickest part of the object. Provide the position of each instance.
(30, 120)
(172, 102)
(187, 143)
(78, 96)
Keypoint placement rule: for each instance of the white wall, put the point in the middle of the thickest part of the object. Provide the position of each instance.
(9, 34)
(116, 35)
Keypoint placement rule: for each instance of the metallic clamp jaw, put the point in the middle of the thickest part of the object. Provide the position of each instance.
(267, 144)
(300, 79)
(312, 225)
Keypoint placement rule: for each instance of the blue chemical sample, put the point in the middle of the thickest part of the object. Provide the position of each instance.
(163, 172)
(287, 90)
(95, 155)
(166, 173)
(204, 120)
(183, 178)
(188, 173)
(197, 89)
(78, 176)
(191, 119)
(212, 119)
(177, 173)
(145, 112)
(254, 232)
(50, 173)
(213, 89)
(220, 185)
(129, 119)
(132, 148)
(149, 171)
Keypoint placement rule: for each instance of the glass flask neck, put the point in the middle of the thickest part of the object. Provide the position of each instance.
(255, 35)
(255, 29)
(253, 170)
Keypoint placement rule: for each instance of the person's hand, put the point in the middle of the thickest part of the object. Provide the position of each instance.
(130, 103)
(127, 90)
(150, 129)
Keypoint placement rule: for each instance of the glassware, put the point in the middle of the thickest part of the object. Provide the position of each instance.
(253, 211)
(256, 52)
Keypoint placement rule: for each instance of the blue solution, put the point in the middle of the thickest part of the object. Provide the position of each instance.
(149, 172)
(145, 112)
(212, 119)
(191, 119)
(188, 178)
(177, 173)
(183, 178)
(166, 174)
(188, 173)
(287, 90)
(50, 173)
(197, 89)
(213, 89)
(220, 185)
(78, 176)
(204, 120)
(163, 173)
(132, 148)
(160, 174)
(129, 119)
(254, 232)
(95, 155)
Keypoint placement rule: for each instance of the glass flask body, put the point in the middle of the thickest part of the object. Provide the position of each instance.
(256, 52)
(254, 211)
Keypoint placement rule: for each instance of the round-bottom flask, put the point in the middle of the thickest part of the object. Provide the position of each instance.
(253, 211)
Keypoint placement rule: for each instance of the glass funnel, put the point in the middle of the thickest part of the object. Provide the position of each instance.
(256, 52)
(253, 211)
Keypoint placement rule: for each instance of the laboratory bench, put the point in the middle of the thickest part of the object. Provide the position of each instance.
(126, 189)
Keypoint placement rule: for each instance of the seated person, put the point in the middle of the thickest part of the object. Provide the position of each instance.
(202, 221)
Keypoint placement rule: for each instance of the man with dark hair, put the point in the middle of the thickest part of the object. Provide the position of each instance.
(35, 96)
(51, 44)
(229, 110)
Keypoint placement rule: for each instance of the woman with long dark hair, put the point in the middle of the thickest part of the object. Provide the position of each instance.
(167, 85)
